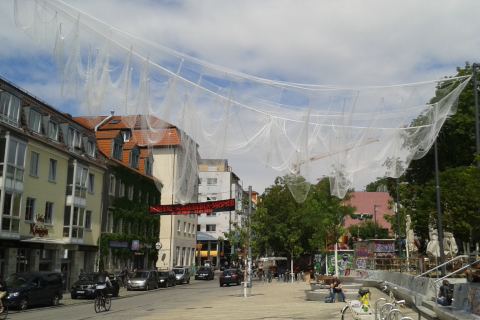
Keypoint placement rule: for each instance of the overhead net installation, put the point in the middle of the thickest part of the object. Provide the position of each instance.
(304, 131)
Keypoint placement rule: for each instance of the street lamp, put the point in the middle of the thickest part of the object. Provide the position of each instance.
(375, 206)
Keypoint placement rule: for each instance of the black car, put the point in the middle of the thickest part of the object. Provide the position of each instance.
(86, 286)
(166, 278)
(204, 273)
(230, 276)
(34, 288)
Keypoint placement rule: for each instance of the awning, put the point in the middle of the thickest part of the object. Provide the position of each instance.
(45, 240)
(203, 236)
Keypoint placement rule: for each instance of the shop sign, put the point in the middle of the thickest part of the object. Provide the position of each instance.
(118, 244)
(135, 245)
(194, 208)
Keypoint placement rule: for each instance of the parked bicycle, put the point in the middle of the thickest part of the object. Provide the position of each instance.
(102, 300)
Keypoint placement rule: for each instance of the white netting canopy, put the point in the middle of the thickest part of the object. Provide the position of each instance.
(304, 130)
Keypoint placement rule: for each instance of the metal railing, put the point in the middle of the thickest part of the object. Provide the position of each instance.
(457, 271)
(443, 264)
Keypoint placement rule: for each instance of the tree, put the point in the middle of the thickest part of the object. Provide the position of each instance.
(282, 226)
(459, 180)
(368, 230)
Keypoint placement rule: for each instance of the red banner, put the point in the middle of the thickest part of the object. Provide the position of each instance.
(194, 208)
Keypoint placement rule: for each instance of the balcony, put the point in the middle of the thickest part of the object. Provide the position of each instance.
(76, 196)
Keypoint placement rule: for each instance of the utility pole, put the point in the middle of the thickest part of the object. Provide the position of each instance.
(247, 280)
(397, 207)
(439, 210)
(375, 219)
(475, 67)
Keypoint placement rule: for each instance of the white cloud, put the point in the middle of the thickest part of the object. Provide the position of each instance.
(328, 42)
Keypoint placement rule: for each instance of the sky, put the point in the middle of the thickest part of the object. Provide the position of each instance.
(313, 41)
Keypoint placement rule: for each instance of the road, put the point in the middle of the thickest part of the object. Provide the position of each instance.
(201, 300)
(197, 295)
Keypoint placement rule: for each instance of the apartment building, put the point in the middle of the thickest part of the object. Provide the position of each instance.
(218, 182)
(129, 232)
(51, 178)
(174, 166)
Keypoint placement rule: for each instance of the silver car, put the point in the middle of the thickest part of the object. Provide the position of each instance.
(182, 274)
(143, 280)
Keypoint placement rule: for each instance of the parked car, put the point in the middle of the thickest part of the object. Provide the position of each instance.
(204, 273)
(143, 280)
(34, 288)
(230, 276)
(182, 274)
(166, 278)
(85, 286)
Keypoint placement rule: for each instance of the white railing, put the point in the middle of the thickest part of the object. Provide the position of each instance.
(442, 265)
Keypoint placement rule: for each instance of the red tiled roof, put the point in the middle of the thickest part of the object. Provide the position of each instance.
(364, 203)
(111, 134)
(167, 137)
(136, 122)
(89, 122)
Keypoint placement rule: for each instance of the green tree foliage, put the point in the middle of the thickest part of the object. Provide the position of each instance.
(459, 178)
(282, 226)
(367, 230)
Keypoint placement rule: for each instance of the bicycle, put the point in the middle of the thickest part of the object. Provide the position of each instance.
(102, 300)
(358, 309)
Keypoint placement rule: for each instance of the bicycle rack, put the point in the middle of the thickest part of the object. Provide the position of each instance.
(376, 306)
(393, 314)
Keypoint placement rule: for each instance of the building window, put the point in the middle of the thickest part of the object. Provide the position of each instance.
(117, 150)
(11, 212)
(211, 227)
(111, 188)
(16, 160)
(134, 156)
(30, 209)
(90, 148)
(184, 227)
(88, 220)
(178, 226)
(199, 227)
(211, 181)
(52, 170)
(48, 212)
(35, 121)
(130, 192)
(77, 222)
(121, 189)
(148, 166)
(34, 157)
(91, 183)
(9, 108)
(81, 182)
(211, 198)
(53, 130)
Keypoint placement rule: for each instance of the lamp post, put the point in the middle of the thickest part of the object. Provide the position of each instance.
(439, 210)
(475, 68)
(375, 206)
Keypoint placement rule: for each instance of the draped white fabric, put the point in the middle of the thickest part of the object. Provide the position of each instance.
(305, 130)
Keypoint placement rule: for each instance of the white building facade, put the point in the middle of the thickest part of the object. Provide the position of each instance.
(218, 182)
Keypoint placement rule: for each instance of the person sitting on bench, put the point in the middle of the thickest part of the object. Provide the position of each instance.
(445, 294)
(336, 289)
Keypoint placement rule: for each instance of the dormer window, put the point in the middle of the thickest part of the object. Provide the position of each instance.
(9, 108)
(134, 156)
(148, 166)
(74, 138)
(90, 148)
(127, 135)
(35, 121)
(53, 130)
(117, 150)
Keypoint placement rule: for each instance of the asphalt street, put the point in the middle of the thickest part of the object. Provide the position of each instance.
(202, 300)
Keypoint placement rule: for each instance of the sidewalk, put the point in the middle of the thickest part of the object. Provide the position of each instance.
(276, 300)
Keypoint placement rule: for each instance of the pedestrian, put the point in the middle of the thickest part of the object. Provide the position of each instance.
(336, 289)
